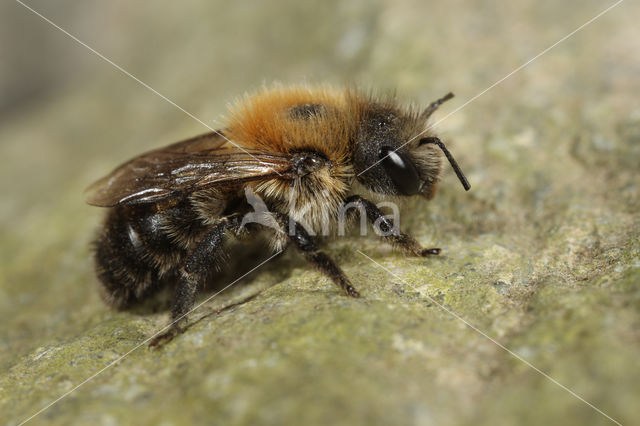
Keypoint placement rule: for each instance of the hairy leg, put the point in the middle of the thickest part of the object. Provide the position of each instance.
(194, 272)
(307, 246)
(394, 236)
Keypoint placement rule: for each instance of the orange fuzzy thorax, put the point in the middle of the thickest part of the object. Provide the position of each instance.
(263, 121)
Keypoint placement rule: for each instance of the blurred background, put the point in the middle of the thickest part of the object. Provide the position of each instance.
(543, 253)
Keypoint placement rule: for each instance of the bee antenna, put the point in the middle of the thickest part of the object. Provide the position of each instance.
(433, 106)
(452, 161)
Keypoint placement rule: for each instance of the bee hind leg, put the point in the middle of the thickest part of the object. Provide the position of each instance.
(390, 232)
(195, 270)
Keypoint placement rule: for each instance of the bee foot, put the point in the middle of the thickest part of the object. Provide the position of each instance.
(162, 339)
(352, 291)
(430, 252)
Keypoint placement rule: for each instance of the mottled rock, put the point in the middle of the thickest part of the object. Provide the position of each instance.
(542, 257)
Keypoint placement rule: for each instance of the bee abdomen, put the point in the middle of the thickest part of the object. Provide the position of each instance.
(133, 254)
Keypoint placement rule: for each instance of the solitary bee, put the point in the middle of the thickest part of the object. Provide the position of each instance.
(301, 151)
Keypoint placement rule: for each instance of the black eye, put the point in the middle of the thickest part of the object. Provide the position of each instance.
(402, 171)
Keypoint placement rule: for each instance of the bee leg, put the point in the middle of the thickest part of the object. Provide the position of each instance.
(195, 270)
(307, 246)
(390, 233)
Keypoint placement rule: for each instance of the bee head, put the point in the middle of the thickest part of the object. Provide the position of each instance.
(388, 157)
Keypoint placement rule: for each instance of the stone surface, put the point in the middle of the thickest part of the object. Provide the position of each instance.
(542, 257)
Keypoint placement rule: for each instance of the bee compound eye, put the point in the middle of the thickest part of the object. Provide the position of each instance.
(401, 170)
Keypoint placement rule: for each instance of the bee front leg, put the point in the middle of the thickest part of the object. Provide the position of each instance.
(194, 272)
(391, 234)
(307, 246)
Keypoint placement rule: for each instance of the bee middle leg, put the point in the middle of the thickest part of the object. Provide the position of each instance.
(309, 249)
(194, 272)
(391, 234)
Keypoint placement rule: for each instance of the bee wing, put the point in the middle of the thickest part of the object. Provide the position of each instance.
(197, 163)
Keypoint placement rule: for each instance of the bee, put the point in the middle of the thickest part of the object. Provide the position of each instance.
(303, 152)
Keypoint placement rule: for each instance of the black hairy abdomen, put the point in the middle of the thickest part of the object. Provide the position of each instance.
(139, 250)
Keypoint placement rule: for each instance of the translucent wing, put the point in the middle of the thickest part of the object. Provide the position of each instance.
(183, 167)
